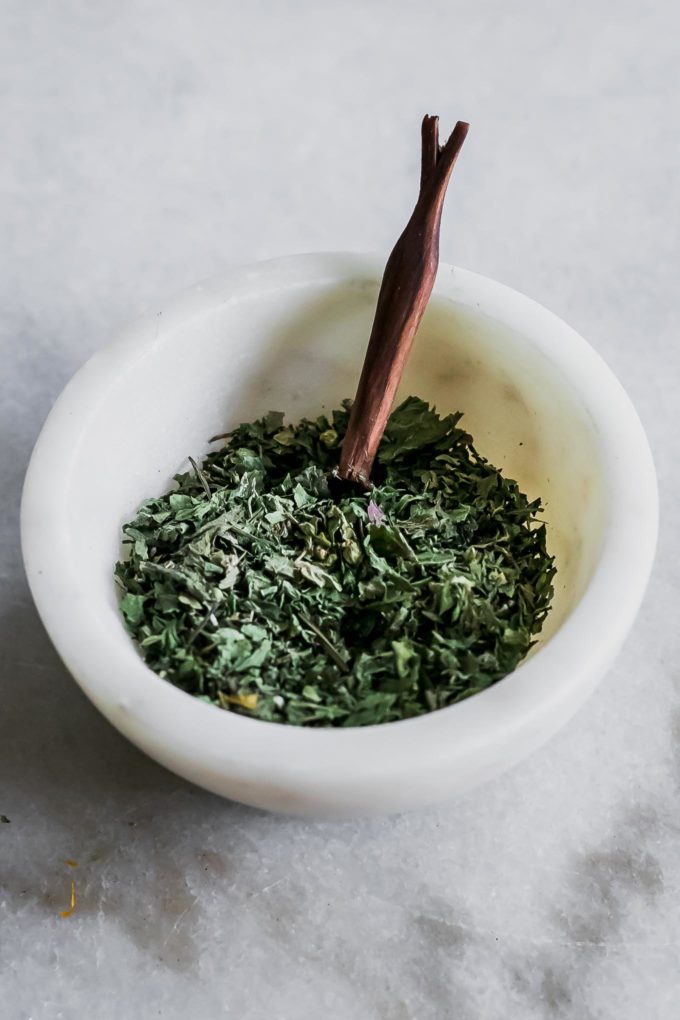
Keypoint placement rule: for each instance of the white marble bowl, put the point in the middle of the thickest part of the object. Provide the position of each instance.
(290, 335)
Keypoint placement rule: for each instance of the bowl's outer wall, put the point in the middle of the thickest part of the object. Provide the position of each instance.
(290, 335)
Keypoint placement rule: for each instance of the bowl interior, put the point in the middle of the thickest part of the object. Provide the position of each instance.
(299, 349)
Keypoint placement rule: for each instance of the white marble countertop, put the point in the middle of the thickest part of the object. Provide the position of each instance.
(148, 145)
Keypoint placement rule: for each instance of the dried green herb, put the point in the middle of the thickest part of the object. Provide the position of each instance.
(251, 585)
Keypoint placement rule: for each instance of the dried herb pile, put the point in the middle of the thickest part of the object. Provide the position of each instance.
(253, 586)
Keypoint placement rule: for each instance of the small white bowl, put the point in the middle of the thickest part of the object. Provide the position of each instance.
(290, 335)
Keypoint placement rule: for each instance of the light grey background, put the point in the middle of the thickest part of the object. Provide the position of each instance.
(146, 145)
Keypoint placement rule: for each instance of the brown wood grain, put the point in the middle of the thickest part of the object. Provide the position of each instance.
(404, 292)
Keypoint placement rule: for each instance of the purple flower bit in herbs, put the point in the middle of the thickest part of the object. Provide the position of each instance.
(375, 514)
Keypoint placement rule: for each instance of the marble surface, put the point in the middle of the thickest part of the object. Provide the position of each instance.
(148, 145)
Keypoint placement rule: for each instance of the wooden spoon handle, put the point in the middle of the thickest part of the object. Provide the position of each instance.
(404, 292)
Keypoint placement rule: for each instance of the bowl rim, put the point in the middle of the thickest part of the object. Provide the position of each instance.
(179, 729)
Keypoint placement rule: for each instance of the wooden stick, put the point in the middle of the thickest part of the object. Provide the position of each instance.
(404, 292)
